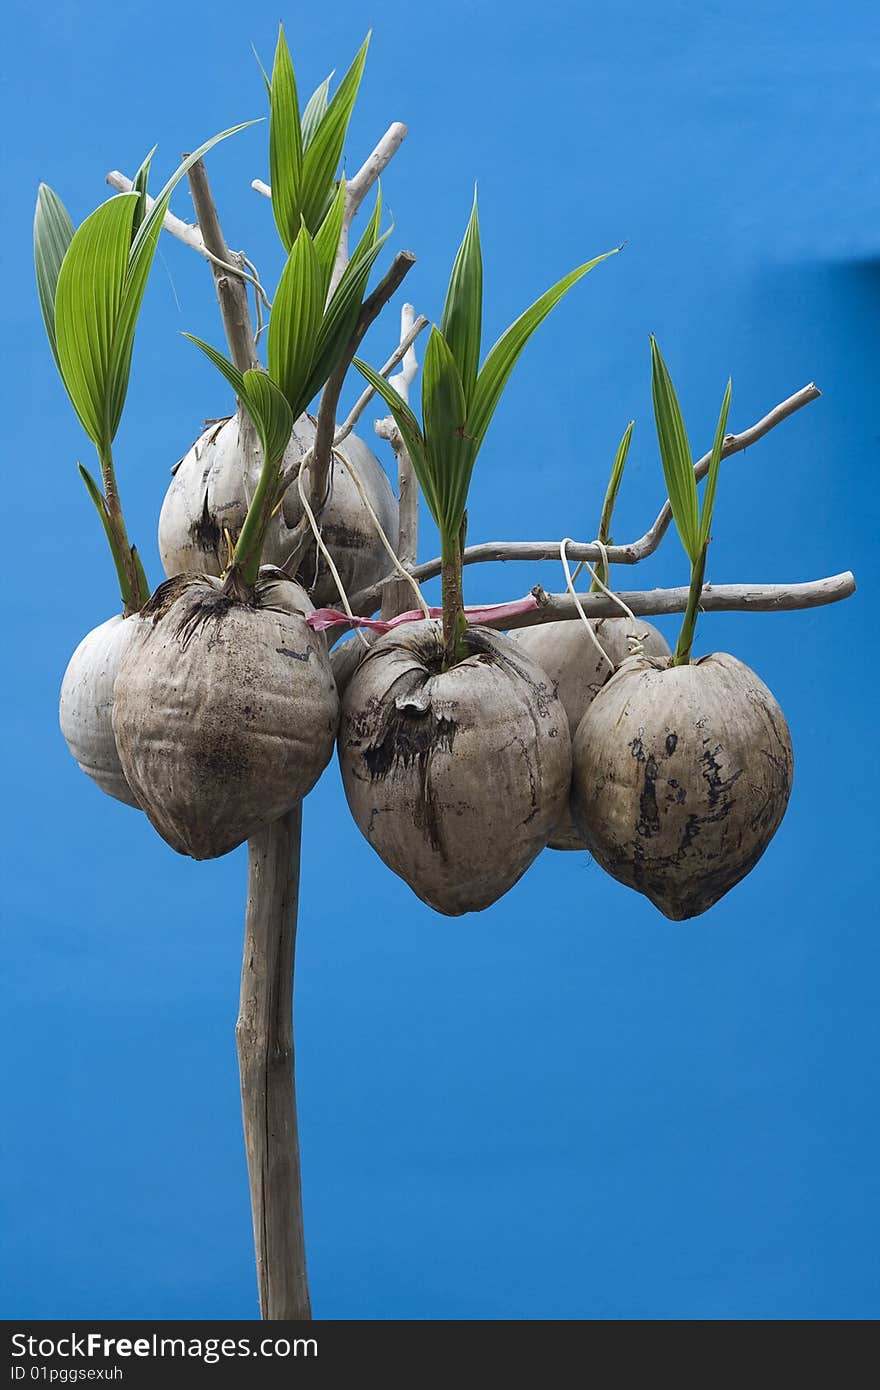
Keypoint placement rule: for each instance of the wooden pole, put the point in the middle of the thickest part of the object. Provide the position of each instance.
(264, 1032)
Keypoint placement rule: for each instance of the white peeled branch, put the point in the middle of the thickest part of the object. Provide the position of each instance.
(573, 661)
(86, 706)
(681, 778)
(457, 777)
(211, 489)
(225, 712)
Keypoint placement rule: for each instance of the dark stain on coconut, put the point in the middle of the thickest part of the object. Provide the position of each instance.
(409, 735)
(649, 815)
(296, 656)
(206, 532)
(671, 743)
(713, 775)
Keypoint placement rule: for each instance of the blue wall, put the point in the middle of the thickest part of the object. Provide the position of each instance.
(566, 1107)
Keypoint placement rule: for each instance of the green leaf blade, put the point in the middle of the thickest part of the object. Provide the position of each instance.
(675, 455)
(714, 466)
(294, 322)
(91, 285)
(409, 427)
(341, 313)
(461, 323)
(223, 365)
(449, 451)
(316, 107)
(321, 159)
(270, 412)
(328, 234)
(53, 233)
(285, 145)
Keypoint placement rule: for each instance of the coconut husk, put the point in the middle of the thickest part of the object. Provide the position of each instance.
(681, 778)
(570, 658)
(209, 495)
(224, 712)
(86, 706)
(455, 777)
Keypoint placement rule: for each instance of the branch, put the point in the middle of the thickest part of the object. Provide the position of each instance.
(231, 289)
(410, 329)
(715, 598)
(733, 444)
(394, 595)
(358, 187)
(190, 236)
(629, 554)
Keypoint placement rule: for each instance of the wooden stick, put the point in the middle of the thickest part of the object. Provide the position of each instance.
(264, 1036)
(264, 1032)
(231, 289)
(715, 598)
(629, 554)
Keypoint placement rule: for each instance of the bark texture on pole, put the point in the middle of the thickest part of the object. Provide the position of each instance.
(264, 1034)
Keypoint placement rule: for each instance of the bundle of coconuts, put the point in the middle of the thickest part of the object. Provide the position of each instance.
(212, 704)
(207, 501)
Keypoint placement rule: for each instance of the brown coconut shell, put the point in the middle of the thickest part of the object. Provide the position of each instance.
(681, 778)
(567, 654)
(224, 713)
(456, 778)
(209, 495)
(86, 707)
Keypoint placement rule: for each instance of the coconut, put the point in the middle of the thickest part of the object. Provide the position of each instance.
(85, 712)
(209, 496)
(570, 658)
(681, 778)
(224, 712)
(457, 777)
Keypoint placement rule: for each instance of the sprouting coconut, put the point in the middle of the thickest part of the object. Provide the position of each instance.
(456, 777)
(87, 704)
(681, 778)
(454, 747)
(579, 670)
(224, 711)
(91, 282)
(206, 503)
(682, 770)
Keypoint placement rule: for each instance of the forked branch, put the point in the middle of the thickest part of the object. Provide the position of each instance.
(629, 554)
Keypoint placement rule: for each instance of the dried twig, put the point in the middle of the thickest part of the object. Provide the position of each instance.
(629, 554)
(394, 593)
(715, 598)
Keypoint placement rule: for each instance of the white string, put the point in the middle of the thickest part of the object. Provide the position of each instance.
(633, 638)
(395, 559)
(569, 584)
(319, 541)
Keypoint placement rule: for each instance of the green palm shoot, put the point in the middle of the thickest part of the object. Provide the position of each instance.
(692, 521)
(310, 325)
(305, 150)
(91, 285)
(459, 398)
(604, 533)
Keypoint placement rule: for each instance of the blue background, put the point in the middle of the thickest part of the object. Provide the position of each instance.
(566, 1107)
